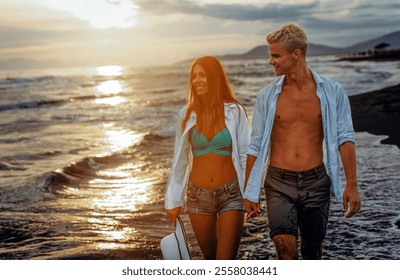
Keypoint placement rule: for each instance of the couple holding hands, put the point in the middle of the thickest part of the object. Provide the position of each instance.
(219, 166)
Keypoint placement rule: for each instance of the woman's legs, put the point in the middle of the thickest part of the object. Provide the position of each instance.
(218, 238)
(205, 231)
(230, 225)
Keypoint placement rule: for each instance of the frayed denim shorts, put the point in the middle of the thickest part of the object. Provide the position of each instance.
(228, 197)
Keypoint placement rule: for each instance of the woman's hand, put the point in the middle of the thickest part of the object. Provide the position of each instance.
(173, 213)
(252, 209)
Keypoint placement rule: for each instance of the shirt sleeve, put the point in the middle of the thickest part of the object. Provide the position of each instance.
(258, 125)
(345, 128)
(243, 136)
(174, 190)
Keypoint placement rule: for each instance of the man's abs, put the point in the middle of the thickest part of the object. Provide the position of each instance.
(296, 153)
(297, 134)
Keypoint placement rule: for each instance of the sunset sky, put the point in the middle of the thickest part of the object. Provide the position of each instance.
(68, 33)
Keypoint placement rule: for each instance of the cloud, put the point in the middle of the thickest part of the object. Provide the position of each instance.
(364, 16)
(171, 30)
(16, 37)
(315, 14)
(238, 12)
(18, 63)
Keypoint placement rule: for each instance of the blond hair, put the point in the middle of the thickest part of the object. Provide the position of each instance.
(291, 36)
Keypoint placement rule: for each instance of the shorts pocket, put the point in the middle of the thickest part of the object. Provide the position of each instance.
(233, 191)
(192, 193)
(325, 183)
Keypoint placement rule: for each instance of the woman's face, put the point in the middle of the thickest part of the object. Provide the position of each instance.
(199, 80)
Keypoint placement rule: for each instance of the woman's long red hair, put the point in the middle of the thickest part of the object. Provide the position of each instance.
(209, 110)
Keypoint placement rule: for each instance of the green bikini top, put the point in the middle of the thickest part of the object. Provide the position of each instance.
(202, 146)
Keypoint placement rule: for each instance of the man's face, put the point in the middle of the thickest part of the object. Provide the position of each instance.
(281, 59)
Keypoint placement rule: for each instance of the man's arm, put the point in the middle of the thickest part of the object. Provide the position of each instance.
(350, 193)
(249, 166)
(252, 208)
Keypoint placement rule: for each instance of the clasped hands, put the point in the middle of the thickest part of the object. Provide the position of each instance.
(252, 209)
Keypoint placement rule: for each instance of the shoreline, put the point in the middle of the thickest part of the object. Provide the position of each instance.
(378, 112)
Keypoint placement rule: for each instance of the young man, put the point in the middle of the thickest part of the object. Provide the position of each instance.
(293, 117)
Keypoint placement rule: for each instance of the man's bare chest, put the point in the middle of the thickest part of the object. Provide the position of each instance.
(298, 108)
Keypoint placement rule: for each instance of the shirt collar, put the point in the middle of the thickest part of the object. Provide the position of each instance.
(317, 78)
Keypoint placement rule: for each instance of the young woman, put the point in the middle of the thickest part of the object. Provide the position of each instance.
(209, 161)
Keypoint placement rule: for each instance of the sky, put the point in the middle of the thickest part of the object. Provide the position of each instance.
(75, 33)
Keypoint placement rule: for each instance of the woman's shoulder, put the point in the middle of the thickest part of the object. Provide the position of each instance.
(234, 106)
(234, 110)
(182, 111)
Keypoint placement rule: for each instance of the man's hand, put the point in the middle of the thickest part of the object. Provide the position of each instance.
(252, 209)
(352, 198)
(350, 194)
(173, 213)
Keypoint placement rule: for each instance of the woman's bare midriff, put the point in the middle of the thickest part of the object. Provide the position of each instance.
(211, 170)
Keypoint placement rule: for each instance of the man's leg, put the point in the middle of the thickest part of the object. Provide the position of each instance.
(286, 247)
(312, 229)
(313, 215)
(310, 251)
(281, 194)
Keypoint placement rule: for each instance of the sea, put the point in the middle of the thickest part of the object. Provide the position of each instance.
(85, 154)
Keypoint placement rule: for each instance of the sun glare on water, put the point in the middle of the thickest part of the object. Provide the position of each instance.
(109, 87)
(109, 70)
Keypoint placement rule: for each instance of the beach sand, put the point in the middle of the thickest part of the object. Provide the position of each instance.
(378, 112)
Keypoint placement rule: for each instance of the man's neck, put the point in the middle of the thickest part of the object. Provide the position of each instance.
(299, 76)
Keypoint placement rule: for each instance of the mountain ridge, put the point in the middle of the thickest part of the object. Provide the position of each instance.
(261, 51)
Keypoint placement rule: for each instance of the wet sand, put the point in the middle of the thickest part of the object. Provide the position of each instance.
(378, 112)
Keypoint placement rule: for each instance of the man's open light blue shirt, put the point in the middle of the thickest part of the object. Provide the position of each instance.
(336, 121)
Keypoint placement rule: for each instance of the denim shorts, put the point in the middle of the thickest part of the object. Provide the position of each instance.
(228, 197)
(298, 201)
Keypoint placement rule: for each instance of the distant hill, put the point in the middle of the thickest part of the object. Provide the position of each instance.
(262, 52)
(392, 38)
(257, 52)
(313, 49)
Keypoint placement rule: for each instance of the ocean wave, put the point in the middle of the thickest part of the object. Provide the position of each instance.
(27, 80)
(162, 91)
(84, 97)
(13, 140)
(53, 184)
(44, 103)
(155, 137)
(6, 88)
(31, 104)
(10, 167)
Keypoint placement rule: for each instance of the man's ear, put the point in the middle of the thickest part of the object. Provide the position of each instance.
(297, 53)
